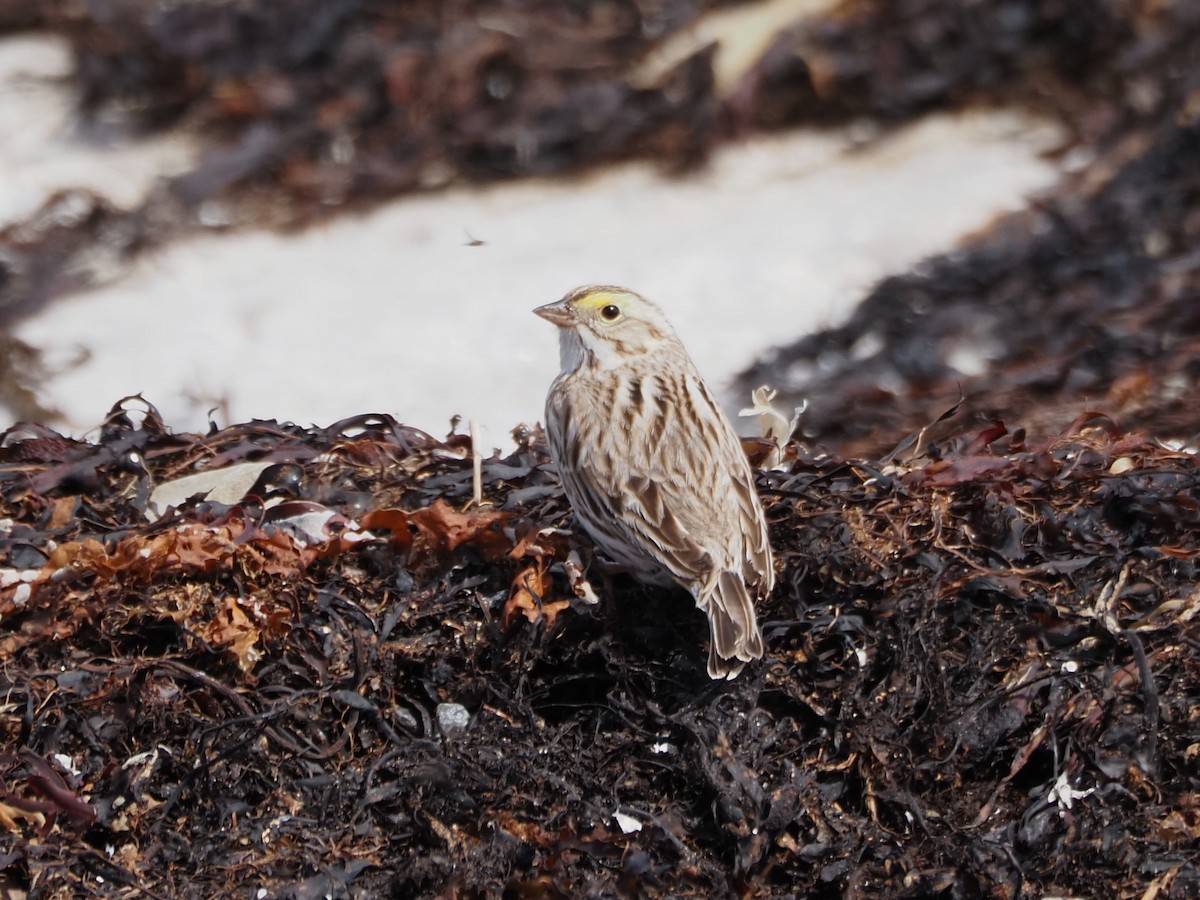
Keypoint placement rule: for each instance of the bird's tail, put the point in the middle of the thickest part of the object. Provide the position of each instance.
(736, 638)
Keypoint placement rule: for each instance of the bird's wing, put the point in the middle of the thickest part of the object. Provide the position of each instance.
(652, 517)
(676, 496)
(757, 566)
(623, 498)
(688, 488)
(722, 496)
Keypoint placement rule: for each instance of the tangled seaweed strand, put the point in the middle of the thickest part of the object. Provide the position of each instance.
(980, 680)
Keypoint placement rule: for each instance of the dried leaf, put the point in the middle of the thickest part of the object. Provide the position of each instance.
(526, 595)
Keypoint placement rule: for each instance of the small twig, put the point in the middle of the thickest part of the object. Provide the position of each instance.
(476, 464)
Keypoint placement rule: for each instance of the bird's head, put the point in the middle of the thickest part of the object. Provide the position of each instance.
(606, 326)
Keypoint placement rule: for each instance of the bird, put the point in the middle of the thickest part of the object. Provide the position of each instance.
(652, 468)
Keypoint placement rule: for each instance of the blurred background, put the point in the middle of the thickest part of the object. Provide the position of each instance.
(309, 209)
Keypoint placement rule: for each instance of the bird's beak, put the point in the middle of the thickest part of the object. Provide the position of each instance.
(560, 313)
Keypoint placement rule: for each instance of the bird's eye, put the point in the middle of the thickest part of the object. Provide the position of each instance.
(610, 313)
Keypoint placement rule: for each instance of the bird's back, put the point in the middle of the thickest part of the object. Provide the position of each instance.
(683, 494)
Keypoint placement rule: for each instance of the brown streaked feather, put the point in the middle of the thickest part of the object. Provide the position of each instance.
(735, 635)
(666, 503)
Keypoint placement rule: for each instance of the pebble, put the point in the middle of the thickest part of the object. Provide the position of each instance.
(452, 718)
